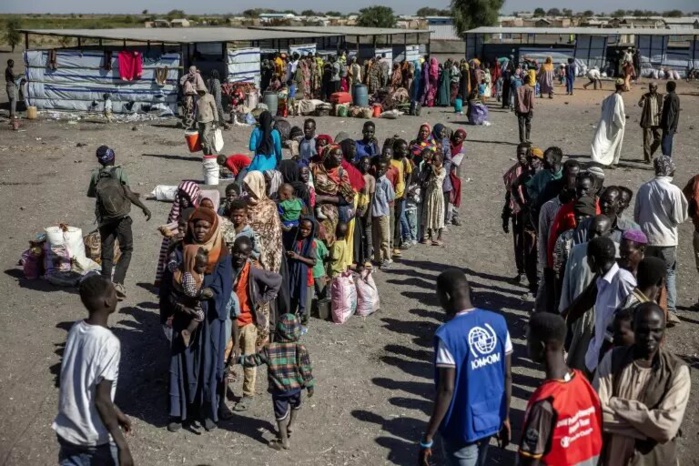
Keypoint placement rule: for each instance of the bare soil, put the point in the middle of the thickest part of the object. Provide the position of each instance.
(374, 375)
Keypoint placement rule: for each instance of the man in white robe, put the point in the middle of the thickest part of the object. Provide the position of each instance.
(606, 146)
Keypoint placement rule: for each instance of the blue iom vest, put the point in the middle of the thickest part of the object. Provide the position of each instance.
(476, 340)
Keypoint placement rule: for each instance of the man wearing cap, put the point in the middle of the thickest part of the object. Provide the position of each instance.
(652, 104)
(606, 146)
(660, 208)
(110, 186)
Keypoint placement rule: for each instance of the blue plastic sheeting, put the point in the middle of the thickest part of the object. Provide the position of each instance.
(81, 79)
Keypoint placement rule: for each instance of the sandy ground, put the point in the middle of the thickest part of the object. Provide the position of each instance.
(374, 385)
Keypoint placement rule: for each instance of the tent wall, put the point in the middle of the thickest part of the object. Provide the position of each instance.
(244, 66)
(409, 53)
(591, 50)
(302, 49)
(80, 80)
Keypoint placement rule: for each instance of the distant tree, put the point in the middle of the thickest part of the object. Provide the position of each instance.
(376, 16)
(308, 13)
(618, 13)
(252, 13)
(539, 12)
(12, 36)
(290, 12)
(335, 14)
(194, 19)
(588, 13)
(469, 14)
(174, 14)
(427, 11)
(567, 12)
(673, 14)
(554, 12)
(144, 12)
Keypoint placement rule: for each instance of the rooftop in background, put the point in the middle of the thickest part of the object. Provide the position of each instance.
(182, 35)
(343, 30)
(584, 31)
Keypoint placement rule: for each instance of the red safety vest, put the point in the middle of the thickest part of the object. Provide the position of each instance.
(577, 435)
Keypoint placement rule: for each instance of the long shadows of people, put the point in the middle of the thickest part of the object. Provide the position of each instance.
(38, 284)
(173, 157)
(143, 384)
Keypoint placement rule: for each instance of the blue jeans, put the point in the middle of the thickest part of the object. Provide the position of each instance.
(410, 227)
(666, 143)
(669, 255)
(570, 80)
(473, 454)
(78, 455)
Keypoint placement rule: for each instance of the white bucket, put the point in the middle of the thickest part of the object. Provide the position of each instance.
(211, 170)
(252, 100)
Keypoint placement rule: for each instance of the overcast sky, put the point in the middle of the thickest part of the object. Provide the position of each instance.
(400, 6)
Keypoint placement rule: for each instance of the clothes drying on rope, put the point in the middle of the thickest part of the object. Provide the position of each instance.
(130, 65)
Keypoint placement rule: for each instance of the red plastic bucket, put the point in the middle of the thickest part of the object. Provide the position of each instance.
(377, 111)
(192, 138)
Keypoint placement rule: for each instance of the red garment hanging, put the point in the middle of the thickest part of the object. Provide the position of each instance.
(130, 65)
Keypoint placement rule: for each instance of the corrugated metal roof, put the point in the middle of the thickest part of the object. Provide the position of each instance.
(180, 35)
(344, 30)
(581, 31)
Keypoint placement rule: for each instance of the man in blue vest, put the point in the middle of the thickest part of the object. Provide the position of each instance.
(473, 378)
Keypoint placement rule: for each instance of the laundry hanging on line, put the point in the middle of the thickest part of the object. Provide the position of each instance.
(130, 65)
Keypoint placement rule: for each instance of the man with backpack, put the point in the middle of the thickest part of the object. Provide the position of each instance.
(110, 186)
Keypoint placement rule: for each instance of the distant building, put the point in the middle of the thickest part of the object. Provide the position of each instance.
(686, 22)
(442, 28)
(524, 14)
(269, 17)
(157, 23)
(180, 23)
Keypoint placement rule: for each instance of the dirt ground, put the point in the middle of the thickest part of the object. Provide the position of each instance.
(374, 375)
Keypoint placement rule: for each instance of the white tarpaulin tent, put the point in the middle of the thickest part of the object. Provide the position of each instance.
(244, 66)
(81, 79)
(302, 49)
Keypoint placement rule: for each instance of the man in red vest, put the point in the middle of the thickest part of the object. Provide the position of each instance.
(563, 422)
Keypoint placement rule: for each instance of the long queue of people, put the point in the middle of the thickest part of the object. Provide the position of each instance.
(237, 281)
(604, 291)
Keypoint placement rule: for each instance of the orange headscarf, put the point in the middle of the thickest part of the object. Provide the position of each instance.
(213, 243)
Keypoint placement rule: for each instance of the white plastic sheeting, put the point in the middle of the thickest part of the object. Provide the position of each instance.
(80, 81)
(560, 55)
(591, 50)
(656, 55)
(303, 49)
(244, 66)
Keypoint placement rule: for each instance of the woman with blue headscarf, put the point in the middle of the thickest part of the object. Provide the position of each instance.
(416, 87)
(266, 143)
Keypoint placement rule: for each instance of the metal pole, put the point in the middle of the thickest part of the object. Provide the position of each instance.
(26, 41)
(429, 43)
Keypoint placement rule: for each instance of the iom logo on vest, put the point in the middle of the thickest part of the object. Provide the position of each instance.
(482, 342)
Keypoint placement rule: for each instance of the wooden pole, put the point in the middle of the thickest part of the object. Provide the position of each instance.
(26, 41)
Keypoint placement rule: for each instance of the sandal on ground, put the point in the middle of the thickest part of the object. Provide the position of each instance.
(437, 242)
(276, 444)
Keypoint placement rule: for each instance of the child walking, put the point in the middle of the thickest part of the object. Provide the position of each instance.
(384, 195)
(301, 259)
(187, 279)
(433, 210)
(289, 371)
(88, 421)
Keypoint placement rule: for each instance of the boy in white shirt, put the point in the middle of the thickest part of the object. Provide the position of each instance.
(89, 425)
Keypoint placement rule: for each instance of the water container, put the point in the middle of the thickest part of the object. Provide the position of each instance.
(252, 100)
(360, 95)
(31, 113)
(271, 100)
(192, 138)
(211, 170)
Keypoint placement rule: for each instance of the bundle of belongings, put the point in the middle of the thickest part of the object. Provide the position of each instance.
(62, 256)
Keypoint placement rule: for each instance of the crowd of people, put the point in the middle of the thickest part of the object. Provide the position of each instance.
(237, 281)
